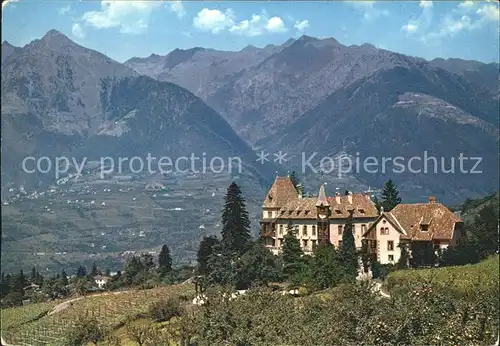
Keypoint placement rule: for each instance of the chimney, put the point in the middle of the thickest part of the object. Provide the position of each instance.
(367, 196)
(432, 199)
(381, 210)
(349, 197)
(337, 197)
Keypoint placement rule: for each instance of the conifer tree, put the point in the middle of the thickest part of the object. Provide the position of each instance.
(33, 274)
(164, 260)
(296, 183)
(64, 278)
(292, 252)
(205, 250)
(81, 272)
(390, 196)
(235, 222)
(94, 271)
(347, 251)
(326, 271)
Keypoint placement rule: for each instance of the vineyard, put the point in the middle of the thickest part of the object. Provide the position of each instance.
(24, 326)
(465, 279)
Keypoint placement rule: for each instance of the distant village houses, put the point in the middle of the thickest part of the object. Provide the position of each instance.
(323, 218)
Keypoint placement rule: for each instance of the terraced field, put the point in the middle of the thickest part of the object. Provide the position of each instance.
(29, 325)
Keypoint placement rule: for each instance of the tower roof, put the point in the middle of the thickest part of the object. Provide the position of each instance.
(281, 192)
(322, 200)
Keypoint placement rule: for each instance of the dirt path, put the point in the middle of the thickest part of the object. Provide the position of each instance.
(64, 305)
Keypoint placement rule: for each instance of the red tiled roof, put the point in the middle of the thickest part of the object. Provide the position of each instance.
(438, 219)
(280, 193)
(305, 208)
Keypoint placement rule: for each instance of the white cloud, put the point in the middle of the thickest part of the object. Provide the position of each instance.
(176, 7)
(301, 25)
(369, 10)
(425, 4)
(132, 17)
(466, 17)
(489, 12)
(422, 22)
(252, 27)
(64, 10)
(214, 20)
(77, 31)
(467, 4)
(275, 24)
(410, 27)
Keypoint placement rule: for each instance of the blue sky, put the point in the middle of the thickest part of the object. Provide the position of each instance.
(124, 29)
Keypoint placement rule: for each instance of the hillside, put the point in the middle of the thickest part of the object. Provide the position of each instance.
(350, 314)
(312, 95)
(61, 100)
(402, 112)
(470, 208)
(268, 88)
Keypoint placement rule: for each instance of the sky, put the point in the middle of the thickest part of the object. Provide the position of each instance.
(125, 29)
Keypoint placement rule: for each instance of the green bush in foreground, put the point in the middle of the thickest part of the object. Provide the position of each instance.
(352, 314)
(164, 310)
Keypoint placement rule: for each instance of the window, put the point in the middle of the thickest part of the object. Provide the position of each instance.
(269, 214)
(304, 244)
(363, 229)
(281, 229)
(340, 243)
(304, 230)
(306, 212)
(390, 245)
(314, 231)
(384, 230)
(391, 258)
(424, 228)
(362, 211)
(340, 230)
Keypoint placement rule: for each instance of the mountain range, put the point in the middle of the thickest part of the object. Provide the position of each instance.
(59, 98)
(306, 95)
(314, 95)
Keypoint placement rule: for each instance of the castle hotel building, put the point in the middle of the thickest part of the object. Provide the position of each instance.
(322, 219)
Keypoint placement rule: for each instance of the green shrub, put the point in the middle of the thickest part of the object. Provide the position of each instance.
(164, 310)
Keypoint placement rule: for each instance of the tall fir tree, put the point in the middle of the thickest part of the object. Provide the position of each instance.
(235, 222)
(164, 260)
(292, 252)
(326, 271)
(390, 196)
(81, 271)
(376, 202)
(33, 274)
(347, 251)
(64, 278)
(94, 271)
(205, 250)
(296, 183)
